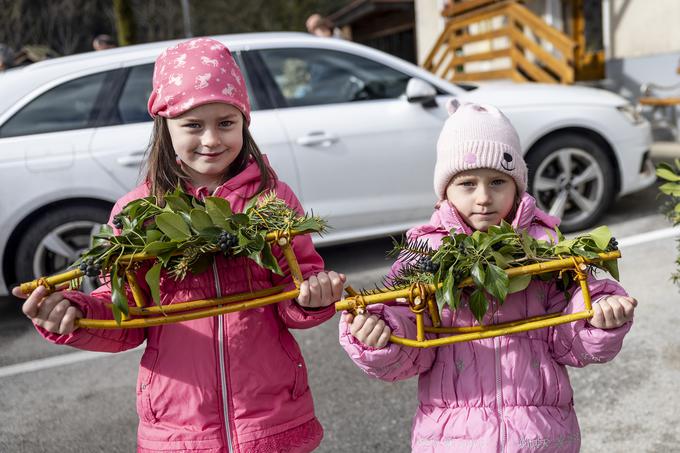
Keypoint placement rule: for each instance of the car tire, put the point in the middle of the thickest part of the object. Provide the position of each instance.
(55, 239)
(571, 177)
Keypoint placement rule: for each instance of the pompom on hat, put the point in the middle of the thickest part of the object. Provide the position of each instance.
(477, 136)
(196, 72)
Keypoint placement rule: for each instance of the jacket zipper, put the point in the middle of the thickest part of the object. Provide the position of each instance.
(499, 396)
(223, 369)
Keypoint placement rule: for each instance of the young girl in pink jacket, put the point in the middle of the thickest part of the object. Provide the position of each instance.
(503, 394)
(230, 383)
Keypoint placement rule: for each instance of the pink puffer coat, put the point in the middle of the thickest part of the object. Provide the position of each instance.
(232, 383)
(504, 394)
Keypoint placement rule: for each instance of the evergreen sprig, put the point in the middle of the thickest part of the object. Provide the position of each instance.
(671, 207)
(484, 256)
(185, 235)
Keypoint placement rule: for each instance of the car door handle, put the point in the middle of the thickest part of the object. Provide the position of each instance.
(318, 138)
(132, 160)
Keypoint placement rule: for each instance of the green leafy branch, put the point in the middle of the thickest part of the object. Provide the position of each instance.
(185, 234)
(484, 256)
(671, 207)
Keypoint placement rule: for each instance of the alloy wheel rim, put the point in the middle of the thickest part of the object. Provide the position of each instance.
(62, 246)
(569, 184)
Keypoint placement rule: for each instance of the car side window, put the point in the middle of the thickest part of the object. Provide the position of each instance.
(254, 104)
(132, 105)
(71, 105)
(320, 76)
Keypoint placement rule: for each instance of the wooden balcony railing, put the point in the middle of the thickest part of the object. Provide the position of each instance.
(534, 51)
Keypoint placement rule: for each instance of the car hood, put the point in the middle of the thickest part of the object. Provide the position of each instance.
(507, 94)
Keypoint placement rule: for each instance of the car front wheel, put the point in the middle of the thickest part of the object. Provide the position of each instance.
(572, 178)
(56, 239)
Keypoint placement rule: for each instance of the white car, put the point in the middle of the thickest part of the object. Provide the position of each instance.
(352, 130)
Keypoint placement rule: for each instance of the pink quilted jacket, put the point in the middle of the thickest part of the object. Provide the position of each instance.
(233, 383)
(504, 394)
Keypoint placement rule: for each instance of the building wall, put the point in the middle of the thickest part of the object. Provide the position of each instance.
(644, 27)
(429, 25)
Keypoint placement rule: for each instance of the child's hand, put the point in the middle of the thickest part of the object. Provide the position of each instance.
(370, 330)
(53, 313)
(612, 312)
(321, 290)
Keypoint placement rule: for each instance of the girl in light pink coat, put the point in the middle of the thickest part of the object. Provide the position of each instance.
(230, 383)
(503, 394)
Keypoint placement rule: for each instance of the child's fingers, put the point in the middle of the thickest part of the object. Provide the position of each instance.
(375, 333)
(16, 292)
(629, 305)
(607, 314)
(47, 305)
(617, 311)
(368, 326)
(384, 337)
(357, 324)
(337, 285)
(632, 300)
(598, 317)
(54, 318)
(325, 290)
(348, 317)
(314, 292)
(303, 297)
(30, 306)
(67, 324)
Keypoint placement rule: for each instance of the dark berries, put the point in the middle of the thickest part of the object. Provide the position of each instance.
(613, 244)
(118, 222)
(226, 241)
(427, 265)
(90, 268)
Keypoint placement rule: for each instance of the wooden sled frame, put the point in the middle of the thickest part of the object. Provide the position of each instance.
(420, 297)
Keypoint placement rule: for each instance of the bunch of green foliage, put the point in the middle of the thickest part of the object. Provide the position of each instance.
(484, 256)
(185, 234)
(671, 188)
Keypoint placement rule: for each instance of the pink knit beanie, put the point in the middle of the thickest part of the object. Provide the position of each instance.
(196, 72)
(477, 136)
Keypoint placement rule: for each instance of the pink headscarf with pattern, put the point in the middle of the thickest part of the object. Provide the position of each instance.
(196, 72)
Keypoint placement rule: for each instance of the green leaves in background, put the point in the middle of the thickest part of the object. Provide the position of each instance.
(671, 207)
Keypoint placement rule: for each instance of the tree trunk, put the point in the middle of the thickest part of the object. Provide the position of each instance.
(125, 22)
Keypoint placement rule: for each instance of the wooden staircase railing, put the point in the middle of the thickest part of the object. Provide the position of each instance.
(526, 44)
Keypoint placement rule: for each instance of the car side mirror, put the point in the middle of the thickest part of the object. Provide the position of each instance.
(420, 91)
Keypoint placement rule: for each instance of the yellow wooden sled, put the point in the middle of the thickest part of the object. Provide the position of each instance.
(420, 297)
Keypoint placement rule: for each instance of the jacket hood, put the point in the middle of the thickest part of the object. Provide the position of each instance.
(447, 217)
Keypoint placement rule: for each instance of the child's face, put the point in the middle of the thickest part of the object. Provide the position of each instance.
(207, 139)
(483, 196)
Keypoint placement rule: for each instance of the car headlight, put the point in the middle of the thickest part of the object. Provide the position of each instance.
(631, 113)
